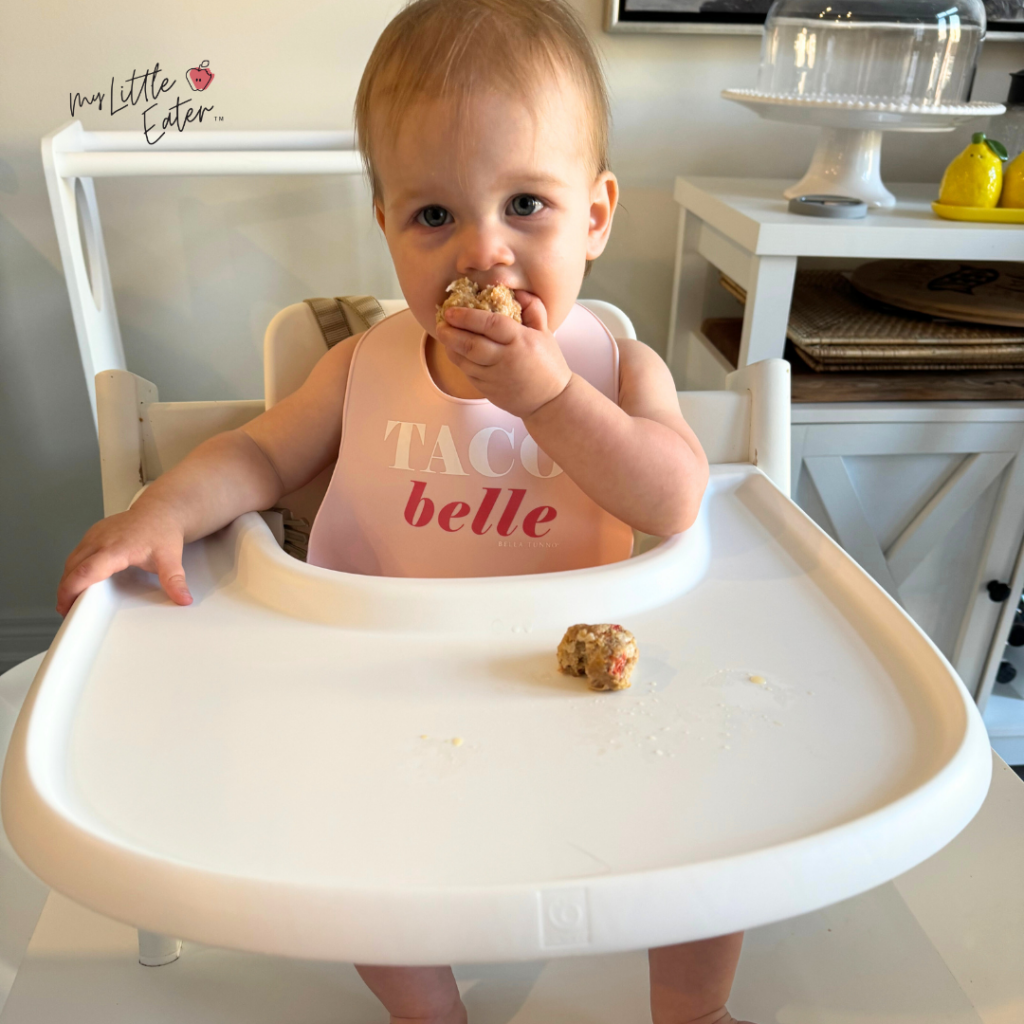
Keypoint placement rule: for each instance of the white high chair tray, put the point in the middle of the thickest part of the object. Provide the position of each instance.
(277, 768)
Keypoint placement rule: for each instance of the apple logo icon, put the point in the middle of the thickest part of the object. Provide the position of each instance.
(199, 78)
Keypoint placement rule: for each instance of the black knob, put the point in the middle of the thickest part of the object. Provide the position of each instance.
(1016, 638)
(1006, 672)
(999, 592)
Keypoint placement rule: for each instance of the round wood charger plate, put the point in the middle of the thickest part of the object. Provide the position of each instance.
(972, 290)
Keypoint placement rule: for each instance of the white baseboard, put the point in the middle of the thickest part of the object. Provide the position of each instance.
(23, 634)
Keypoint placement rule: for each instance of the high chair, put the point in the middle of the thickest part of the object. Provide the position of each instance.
(750, 544)
(188, 771)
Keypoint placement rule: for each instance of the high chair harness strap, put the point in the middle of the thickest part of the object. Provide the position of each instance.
(344, 315)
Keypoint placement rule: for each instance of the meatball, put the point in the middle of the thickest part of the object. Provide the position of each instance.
(606, 654)
(495, 298)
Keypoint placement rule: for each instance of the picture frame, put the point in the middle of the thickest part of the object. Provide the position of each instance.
(746, 17)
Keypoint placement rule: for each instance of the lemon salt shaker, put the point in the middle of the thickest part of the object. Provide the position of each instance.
(975, 177)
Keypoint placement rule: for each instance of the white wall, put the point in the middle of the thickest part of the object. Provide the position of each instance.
(200, 265)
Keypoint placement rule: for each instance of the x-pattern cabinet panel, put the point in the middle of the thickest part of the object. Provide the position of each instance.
(929, 498)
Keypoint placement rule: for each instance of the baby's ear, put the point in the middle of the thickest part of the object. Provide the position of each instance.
(378, 213)
(604, 198)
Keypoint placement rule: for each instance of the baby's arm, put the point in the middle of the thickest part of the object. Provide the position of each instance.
(638, 460)
(241, 470)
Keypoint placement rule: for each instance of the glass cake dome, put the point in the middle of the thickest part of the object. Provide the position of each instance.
(904, 52)
(859, 68)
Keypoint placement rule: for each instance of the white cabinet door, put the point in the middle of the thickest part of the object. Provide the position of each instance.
(929, 498)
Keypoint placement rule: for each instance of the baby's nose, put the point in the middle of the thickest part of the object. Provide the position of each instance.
(482, 246)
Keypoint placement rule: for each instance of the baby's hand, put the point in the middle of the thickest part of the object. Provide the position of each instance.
(519, 367)
(146, 536)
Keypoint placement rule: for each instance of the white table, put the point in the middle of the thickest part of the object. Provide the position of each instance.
(742, 227)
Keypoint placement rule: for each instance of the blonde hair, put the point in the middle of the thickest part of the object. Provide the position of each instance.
(435, 49)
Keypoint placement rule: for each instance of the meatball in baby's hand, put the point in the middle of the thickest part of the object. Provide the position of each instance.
(494, 298)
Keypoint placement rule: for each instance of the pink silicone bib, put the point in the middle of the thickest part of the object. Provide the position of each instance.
(431, 485)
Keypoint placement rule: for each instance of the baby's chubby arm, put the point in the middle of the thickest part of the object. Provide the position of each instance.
(238, 471)
(639, 460)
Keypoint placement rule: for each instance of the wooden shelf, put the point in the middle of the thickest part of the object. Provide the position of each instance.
(901, 386)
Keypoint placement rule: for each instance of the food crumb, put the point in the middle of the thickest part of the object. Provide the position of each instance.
(457, 742)
(660, 753)
(424, 736)
(760, 680)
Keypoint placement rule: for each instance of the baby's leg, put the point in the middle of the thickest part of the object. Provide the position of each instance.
(417, 995)
(690, 982)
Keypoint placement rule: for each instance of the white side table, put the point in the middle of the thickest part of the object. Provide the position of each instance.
(742, 227)
(927, 495)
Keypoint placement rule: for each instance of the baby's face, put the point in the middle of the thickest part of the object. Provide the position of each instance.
(499, 197)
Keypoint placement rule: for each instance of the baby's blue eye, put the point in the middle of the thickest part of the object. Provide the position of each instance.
(432, 216)
(524, 206)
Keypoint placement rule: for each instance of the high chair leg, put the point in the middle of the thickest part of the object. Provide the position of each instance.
(155, 950)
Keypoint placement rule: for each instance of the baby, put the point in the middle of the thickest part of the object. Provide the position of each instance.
(473, 445)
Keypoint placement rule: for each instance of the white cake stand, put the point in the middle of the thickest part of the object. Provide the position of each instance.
(847, 160)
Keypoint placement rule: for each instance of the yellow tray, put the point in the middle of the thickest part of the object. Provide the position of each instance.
(994, 215)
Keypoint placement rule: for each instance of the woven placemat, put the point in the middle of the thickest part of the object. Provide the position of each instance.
(834, 327)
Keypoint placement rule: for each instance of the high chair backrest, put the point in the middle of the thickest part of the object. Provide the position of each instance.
(141, 437)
